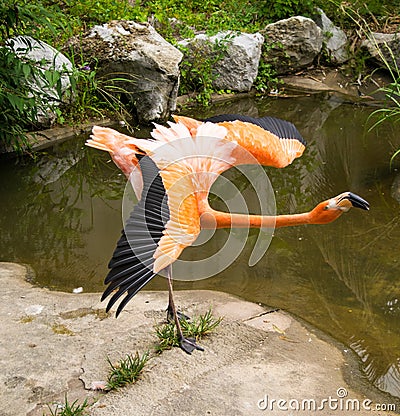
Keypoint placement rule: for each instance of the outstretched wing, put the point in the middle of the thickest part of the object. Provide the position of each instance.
(132, 264)
(274, 142)
(161, 225)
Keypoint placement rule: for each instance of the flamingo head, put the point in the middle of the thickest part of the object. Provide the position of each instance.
(327, 211)
(345, 201)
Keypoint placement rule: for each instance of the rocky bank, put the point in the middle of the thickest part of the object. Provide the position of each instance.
(258, 361)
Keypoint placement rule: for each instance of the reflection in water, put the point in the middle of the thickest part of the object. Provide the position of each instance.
(50, 215)
(62, 215)
(359, 272)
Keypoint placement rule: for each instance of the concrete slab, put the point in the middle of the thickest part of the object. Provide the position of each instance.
(258, 360)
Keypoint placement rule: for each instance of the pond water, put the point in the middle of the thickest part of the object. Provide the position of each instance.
(61, 214)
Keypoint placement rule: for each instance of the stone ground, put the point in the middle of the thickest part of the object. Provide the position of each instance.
(55, 344)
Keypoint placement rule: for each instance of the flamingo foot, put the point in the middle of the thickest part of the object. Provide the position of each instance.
(189, 345)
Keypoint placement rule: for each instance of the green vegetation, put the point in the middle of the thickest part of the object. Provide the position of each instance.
(127, 371)
(67, 409)
(376, 14)
(214, 15)
(198, 328)
(20, 104)
(129, 368)
(391, 110)
(267, 78)
(94, 96)
(197, 71)
(55, 22)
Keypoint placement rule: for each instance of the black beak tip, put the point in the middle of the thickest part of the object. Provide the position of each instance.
(358, 202)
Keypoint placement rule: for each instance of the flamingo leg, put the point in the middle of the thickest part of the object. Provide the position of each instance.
(187, 344)
(170, 314)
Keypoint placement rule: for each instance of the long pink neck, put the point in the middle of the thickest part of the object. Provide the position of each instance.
(215, 219)
(209, 218)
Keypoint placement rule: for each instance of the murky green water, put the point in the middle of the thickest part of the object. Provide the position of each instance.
(62, 215)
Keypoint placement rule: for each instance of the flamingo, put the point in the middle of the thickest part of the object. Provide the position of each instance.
(172, 175)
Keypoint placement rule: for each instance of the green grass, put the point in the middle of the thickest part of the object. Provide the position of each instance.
(129, 369)
(198, 328)
(74, 409)
(126, 371)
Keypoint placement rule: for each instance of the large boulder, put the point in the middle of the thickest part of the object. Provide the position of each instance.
(137, 53)
(234, 56)
(335, 40)
(292, 44)
(384, 48)
(45, 58)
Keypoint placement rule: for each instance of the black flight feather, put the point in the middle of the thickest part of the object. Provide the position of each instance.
(131, 266)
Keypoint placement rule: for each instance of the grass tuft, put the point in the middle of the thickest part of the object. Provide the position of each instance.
(198, 328)
(127, 370)
(74, 409)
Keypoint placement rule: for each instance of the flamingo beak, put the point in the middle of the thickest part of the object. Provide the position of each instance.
(347, 200)
(358, 202)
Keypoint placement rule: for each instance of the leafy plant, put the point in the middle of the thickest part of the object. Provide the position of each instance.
(198, 70)
(93, 12)
(34, 18)
(74, 409)
(267, 77)
(95, 96)
(90, 12)
(197, 329)
(127, 371)
(20, 103)
(28, 90)
(391, 111)
(282, 9)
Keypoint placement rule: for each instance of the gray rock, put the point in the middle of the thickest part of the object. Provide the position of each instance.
(237, 67)
(292, 44)
(47, 59)
(335, 39)
(384, 48)
(136, 52)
